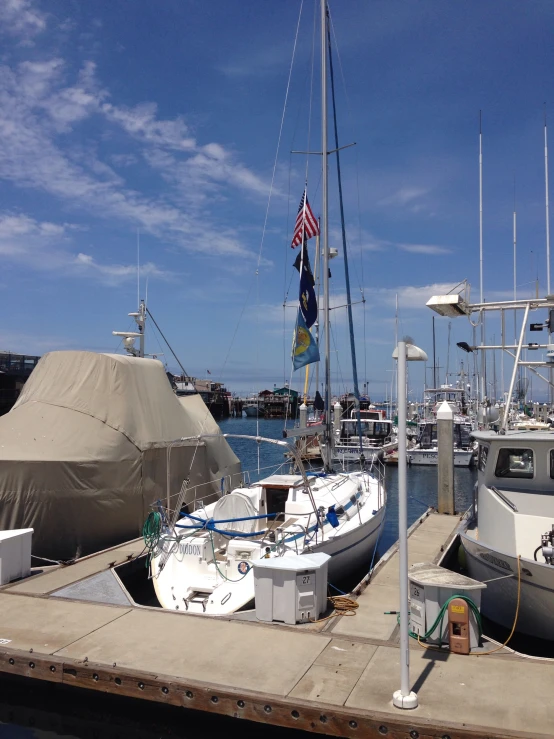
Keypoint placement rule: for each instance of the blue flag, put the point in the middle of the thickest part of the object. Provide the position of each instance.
(307, 299)
(304, 349)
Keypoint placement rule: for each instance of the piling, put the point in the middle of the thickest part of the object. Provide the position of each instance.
(445, 438)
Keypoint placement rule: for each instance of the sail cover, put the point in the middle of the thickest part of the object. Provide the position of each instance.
(84, 451)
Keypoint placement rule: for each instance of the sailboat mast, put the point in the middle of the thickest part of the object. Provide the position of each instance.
(483, 387)
(480, 210)
(325, 224)
(317, 277)
(345, 250)
(434, 358)
(547, 208)
(547, 205)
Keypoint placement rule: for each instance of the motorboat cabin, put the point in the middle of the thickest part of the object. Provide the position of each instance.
(513, 517)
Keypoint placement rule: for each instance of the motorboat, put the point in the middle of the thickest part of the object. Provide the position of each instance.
(426, 451)
(508, 537)
(372, 437)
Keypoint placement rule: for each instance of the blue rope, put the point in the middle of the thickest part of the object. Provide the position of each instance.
(210, 524)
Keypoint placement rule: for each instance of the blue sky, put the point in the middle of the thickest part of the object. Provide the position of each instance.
(164, 118)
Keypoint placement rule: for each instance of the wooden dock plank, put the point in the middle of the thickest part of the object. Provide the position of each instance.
(382, 593)
(324, 682)
(59, 577)
(192, 647)
(335, 672)
(47, 625)
(476, 691)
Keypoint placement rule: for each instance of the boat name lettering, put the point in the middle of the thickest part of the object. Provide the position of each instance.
(495, 561)
(194, 549)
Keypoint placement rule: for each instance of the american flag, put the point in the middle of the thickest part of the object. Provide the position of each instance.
(305, 221)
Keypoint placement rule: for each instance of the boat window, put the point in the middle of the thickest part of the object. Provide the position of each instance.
(515, 463)
(428, 435)
(483, 454)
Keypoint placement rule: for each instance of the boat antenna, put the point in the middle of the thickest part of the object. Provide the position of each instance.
(546, 205)
(480, 210)
(345, 252)
(481, 298)
(138, 266)
(325, 229)
(547, 211)
(434, 357)
(515, 261)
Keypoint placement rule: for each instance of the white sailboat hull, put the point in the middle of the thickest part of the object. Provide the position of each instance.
(352, 550)
(462, 457)
(188, 577)
(498, 601)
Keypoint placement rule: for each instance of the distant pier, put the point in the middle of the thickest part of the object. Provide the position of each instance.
(15, 370)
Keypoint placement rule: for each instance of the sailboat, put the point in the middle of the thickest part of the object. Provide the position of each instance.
(201, 561)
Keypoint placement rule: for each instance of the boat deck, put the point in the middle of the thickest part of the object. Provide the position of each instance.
(75, 625)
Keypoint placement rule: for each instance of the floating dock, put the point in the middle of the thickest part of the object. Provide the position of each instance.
(78, 626)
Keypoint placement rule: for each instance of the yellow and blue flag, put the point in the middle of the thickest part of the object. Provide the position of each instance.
(304, 349)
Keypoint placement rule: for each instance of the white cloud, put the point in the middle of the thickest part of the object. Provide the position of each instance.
(47, 246)
(34, 154)
(40, 244)
(425, 249)
(141, 123)
(115, 273)
(124, 160)
(409, 296)
(374, 243)
(404, 195)
(22, 19)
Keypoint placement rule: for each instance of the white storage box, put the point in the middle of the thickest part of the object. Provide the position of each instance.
(15, 554)
(430, 587)
(292, 588)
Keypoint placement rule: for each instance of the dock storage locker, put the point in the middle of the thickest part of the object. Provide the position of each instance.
(292, 588)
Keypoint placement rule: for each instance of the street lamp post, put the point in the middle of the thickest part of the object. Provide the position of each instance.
(404, 698)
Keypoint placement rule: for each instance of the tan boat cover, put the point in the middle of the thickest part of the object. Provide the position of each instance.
(83, 453)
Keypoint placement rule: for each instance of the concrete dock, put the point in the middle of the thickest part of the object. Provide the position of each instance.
(334, 677)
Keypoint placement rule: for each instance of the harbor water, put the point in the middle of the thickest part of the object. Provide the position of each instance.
(47, 711)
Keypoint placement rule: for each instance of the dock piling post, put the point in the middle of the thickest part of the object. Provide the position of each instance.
(445, 438)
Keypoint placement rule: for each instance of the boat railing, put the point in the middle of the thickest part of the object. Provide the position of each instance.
(377, 469)
(355, 443)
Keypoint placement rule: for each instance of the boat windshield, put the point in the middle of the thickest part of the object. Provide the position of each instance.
(370, 429)
(515, 463)
(461, 432)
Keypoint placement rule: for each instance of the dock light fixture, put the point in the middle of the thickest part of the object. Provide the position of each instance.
(405, 697)
(450, 306)
(465, 346)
